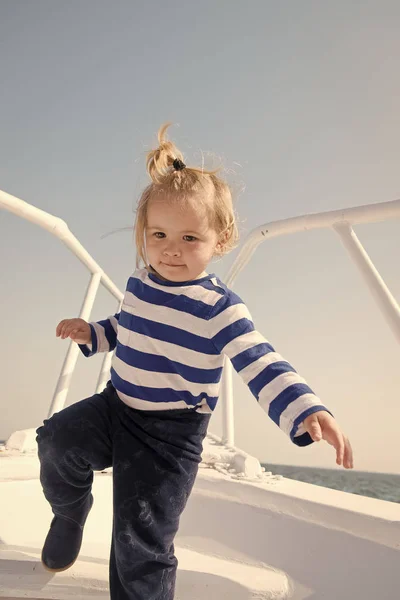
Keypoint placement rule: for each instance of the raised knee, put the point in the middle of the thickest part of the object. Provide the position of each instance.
(47, 440)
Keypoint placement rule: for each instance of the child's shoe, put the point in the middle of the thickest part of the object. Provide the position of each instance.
(63, 542)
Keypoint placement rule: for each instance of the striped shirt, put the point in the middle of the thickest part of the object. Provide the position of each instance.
(170, 341)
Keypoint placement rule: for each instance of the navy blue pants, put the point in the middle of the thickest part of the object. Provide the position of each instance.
(155, 457)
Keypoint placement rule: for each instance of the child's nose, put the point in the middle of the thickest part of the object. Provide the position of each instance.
(172, 250)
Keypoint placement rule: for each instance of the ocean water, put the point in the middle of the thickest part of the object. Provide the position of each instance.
(375, 485)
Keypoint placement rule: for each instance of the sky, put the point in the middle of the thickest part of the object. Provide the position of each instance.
(298, 101)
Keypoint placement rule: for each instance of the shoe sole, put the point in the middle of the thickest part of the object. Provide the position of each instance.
(57, 570)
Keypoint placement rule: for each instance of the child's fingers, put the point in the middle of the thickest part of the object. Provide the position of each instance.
(344, 452)
(348, 455)
(63, 328)
(60, 327)
(324, 425)
(339, 448)
(334, 437)
(67, 327)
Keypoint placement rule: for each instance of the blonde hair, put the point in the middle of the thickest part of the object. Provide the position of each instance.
(182, 186)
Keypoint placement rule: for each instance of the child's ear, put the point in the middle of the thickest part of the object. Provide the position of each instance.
(219, 248)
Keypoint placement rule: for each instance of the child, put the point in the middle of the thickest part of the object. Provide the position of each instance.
(176, 324)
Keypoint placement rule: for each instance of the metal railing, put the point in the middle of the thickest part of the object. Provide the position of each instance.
(59, 229)
(340, 221)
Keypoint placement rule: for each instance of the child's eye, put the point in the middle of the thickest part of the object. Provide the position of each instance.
(189, 238)
(159, 234)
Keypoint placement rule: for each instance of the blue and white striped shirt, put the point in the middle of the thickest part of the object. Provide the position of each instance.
(171, 338)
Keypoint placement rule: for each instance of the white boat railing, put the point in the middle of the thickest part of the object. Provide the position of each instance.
(59, 229)
(341, 221)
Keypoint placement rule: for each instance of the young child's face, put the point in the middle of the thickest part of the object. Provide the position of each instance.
(179, 242)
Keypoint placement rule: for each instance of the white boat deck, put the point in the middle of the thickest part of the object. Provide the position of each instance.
(24, 521)
(240, 538)
(22, 575)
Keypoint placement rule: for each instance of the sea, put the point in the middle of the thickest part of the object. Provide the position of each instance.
(375, 485)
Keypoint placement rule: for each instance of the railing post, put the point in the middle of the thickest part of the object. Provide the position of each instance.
(61, 391)
(377, 286)
(228, 428)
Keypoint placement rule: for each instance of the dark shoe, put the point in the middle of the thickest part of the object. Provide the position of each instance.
(63, 542)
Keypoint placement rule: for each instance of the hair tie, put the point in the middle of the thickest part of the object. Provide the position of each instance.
(178, 165)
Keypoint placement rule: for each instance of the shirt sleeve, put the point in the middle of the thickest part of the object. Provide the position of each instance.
(279, 389)
(104, 336)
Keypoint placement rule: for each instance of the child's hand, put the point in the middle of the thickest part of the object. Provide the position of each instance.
(76, 329)
(321, 425)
